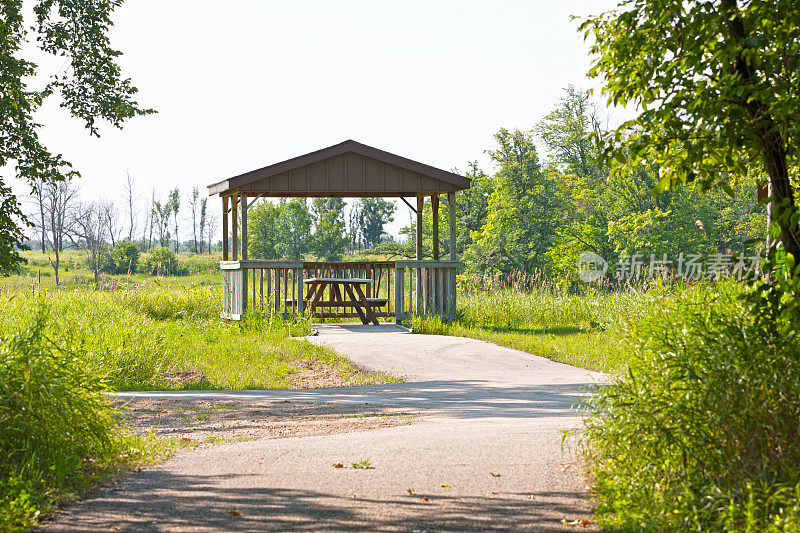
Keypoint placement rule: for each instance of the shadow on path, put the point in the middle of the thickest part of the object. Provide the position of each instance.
(156, 500)
(463, 399)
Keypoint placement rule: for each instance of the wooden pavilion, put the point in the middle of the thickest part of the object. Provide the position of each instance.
(349, 169)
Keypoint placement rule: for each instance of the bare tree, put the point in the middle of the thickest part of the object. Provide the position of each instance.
(58, 202)
(38, 195)
(88, 227)
(203, 221)
(211, 230)
(175, 204)
(150, 213)
(193, 205)
(130, 200)
(109, 221)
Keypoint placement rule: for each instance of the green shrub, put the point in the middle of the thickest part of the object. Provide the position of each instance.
(123, 258)
(702, 432)
(54, 420)
(159, 262)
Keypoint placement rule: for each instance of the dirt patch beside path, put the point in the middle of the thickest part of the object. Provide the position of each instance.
(210, 421)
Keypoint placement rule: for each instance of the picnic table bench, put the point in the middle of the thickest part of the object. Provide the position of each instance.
(344, 292)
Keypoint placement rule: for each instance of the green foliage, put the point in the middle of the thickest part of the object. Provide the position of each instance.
(123, 258)
(54, 419)
(522, 210)
(544, 318)
(472, 206)
(262, 236)
(330, 241)
(90, 86)
(172, 337)
(373, 215)
(716, 86)
(293, 226)
(702, 433)
(543, 218)
(159, 262)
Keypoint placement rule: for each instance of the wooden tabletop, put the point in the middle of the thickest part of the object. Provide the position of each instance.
(338, 280)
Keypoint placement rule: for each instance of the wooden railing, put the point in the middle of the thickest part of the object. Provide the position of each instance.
(414, 287)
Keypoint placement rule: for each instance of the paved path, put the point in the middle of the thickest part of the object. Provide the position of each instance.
(486, 454)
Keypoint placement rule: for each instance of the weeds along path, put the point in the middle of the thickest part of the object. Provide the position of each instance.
(485, 454)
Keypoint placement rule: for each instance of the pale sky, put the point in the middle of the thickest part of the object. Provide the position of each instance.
(239, 85)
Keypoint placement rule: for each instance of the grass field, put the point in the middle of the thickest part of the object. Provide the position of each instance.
(584, 330)
(61, 349)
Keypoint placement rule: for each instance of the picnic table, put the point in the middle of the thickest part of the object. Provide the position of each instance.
(344, 292)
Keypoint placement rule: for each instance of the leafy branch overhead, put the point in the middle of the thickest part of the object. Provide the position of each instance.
(91, 87)
(717, 89)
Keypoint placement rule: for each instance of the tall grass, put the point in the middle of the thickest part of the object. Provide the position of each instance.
(702, 433)
(57, 430)
(171, 337)
(581, 329)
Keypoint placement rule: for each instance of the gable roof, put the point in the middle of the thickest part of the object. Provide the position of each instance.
(348, 169)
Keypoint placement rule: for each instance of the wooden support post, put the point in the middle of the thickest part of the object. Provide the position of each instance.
(225, 228)
(420, 206)
(440, 272)
(399, 311)
(451, 209)
(235, 224)
(410, 291)
(300, 295)
(243, 196)
(450, 313)
(435, 209)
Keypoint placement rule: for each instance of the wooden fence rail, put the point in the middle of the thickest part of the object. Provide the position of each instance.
(413, 287)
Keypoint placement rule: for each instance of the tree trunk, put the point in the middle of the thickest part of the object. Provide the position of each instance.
(773, 151)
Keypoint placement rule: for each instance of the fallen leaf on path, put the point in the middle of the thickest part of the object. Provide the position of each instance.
(494, 492)
(445, 485)
(578, 522)
(338, 465)
(410, 491)
(234, 512)
(530, 497)
(425, 498)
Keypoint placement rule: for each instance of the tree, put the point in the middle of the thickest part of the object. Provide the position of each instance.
(353, 232)
(330, 241)
(193, 205)
(89, 84)
(522, 212)
(262, 236)
(130, 198)
(472, 206)
(147, 230)
(58, 200)
(715, 86)
(37, 191)
(107, 212)
(88, 227)
(574, 160)
(294, 227)
(212, 223)
(174, 205)
(203, 221)
(160, 218)
(373, 215)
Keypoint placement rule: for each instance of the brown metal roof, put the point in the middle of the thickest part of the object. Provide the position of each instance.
(348, 169)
